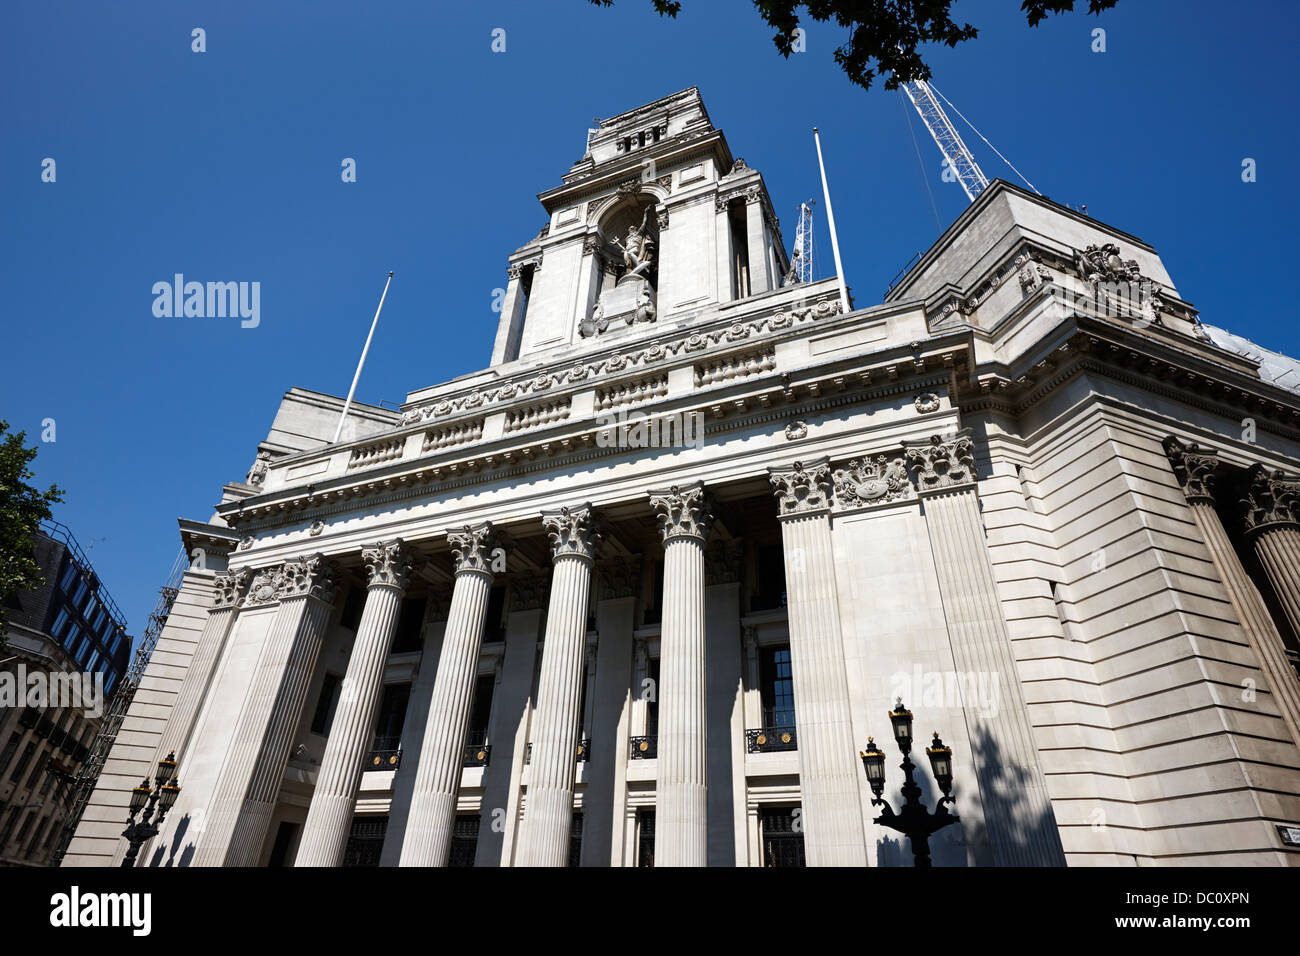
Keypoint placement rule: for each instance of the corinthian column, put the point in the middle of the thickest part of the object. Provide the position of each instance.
(828, 771)
(329, 819)
(442, 753)
(229, 588)
(1272, 506)
(548, 813)
(681, 815)
(1021, 824)
(1196, 470)
(259, 751)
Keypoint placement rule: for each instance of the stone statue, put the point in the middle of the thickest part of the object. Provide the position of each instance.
(638, 252)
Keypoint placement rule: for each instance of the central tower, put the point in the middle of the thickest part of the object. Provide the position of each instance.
(656, 223)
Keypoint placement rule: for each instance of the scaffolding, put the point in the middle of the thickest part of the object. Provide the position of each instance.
(79, 787)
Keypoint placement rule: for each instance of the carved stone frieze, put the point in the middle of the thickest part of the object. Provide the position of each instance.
(945, 461)
(801, 489)
(871, 481)
(618, 578)
(722, 562)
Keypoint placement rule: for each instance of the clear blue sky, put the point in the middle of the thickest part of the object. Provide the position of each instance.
(225, 166)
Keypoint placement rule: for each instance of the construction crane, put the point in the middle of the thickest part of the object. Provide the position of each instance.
(803, 242)
(946, 137)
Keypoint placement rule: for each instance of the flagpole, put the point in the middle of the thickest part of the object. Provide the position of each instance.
(830, 219)
(355, 378)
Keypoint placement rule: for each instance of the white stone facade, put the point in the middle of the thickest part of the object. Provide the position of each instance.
(978, 494)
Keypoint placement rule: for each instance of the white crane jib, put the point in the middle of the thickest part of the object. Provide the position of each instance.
(959, 158)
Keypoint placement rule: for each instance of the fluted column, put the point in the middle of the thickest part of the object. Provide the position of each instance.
(681, 791)
(1272, 506)
(1021, 823)
(229, 588)
(254, 764)
(828, 772)
(476, 554)
(1196, 470)
(329, 819)
(548, 813)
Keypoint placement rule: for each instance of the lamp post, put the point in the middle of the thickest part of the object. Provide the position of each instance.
(143, 801)
(914, 821)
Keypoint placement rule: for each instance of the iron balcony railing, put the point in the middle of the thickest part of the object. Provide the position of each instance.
(385, 754)
(644, 748)
(777, 733)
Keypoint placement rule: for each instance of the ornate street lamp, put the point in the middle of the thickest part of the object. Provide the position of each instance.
(144, 799)
(914, 821)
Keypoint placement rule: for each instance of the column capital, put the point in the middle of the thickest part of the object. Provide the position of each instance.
(802, 489)
(1194, 467)
(474, 549)
(573, 531)
(942, 462)
(310, 575)
(1271, 499)
(388, 564)
(229, 587)
(529, 591)
(684, 511)
(618, 578)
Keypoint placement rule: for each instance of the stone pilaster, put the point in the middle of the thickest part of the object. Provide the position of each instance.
(229, 588)
(329, 819)
(433, 804)
(1272, 516)
(1196, 470)
(548, 812)
(1021, 824)
(254, 765)
(828, 769)
(681, 816)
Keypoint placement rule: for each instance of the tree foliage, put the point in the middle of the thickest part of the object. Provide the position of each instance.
(22, 509)
(885, 36)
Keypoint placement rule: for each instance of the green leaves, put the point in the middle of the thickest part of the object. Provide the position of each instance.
(22, 509)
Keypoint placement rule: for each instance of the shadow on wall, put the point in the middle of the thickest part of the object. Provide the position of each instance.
(999, 790)
(163, 856)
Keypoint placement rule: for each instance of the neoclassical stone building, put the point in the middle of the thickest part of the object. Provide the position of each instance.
(639, 592)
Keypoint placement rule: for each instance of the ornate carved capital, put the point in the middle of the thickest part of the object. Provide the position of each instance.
(871, 481)
(1194, 467)
(529, 592)
(619, 578)
(945, 461)
(388, 564)
(722, 562)
(573, 531)
(1271, 499)
(801, 489)
(229, 587)
(262, 590)
(683, 511)
(308, 576)
(473, 549)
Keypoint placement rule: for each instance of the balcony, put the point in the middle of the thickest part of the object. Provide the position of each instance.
(584, 751)
(644, 748)
(385, 754)
(776, 735)
(478, 752)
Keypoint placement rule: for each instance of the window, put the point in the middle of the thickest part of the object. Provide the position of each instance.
(366, 841)
(645, 838)
(8, 753)
(770, 592)
(777, 686)
(73, 636)
(82, 649)
(36, 836)
(782, 836)
(60, 622)
(69, 576)
(410, 622)
(90, 664)
(22, 763)
(464, 840)
(10, 823)
(21, 835)
(352, 607)
(283, 840)
(325, 704)
(494, 628)
(392, 715)
(575, 839)
(110, 680)
(82, 590)
(652, 702)
(481, 714)
(37, 770)
(93, 610)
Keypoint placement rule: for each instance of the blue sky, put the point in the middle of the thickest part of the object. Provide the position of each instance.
(225, 166)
